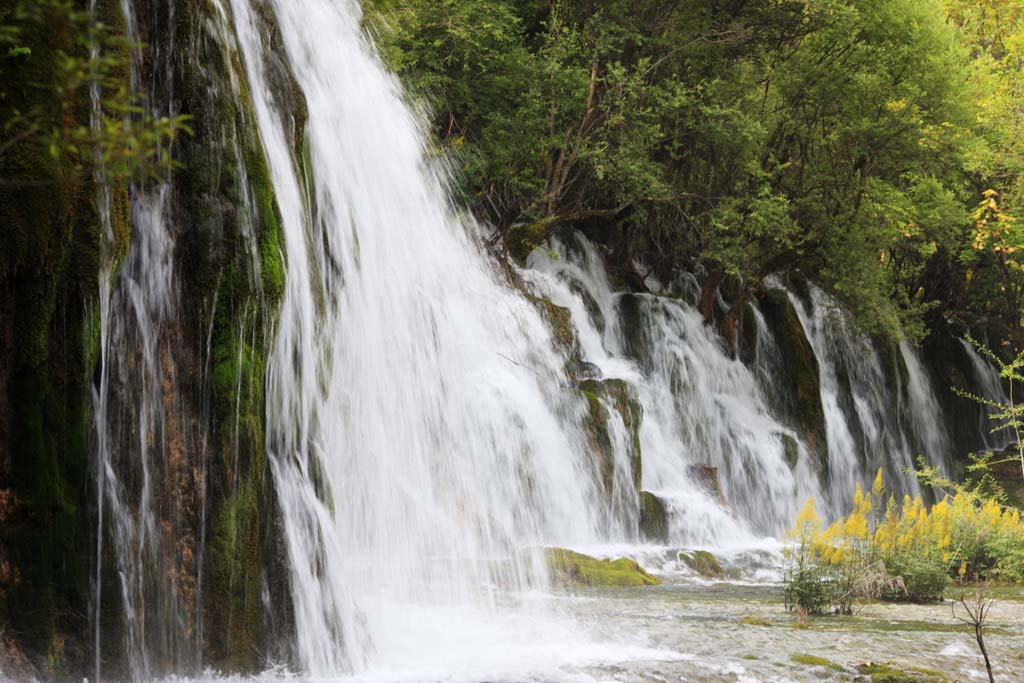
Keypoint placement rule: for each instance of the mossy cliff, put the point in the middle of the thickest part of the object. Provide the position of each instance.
(797, 389)
(232, 265)
(218, 516)
(50, 250)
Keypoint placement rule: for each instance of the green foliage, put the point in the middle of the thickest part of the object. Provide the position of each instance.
(834, 137)
(908, 552)
(123, 140)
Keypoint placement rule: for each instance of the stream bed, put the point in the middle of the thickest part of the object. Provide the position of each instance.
(687, 629)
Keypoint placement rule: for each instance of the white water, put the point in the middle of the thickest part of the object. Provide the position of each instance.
(989, 386)
(929, 431)
(701, 407)
(866, 424)
(421, 441)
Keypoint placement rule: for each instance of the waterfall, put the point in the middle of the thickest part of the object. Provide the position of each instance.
(148, 454)
(871, 422)
(989, 386)
(928, 427)
(702, 408)
(427, 430)
(420, 436)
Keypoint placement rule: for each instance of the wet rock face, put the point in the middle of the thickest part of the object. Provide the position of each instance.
(797, 389)
(653, 518)
(602, 397)
(706, 477)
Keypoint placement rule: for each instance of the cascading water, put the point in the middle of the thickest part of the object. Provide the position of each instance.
(866, 421)
(923, 412)
(148, 455)
(424, 436)
(701, 407)
(990, 387)
(421, 441)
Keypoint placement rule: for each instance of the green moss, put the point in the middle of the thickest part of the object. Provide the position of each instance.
(812, 660)
(235, 551)
(754, 620)
(573, 568)
(889, 673)
(704, 563)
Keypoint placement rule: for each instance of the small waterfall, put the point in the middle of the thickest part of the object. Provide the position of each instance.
(149, 455)
(989, 386)
(871, 421)
(925, 414)
(702, 408)
(420, 436)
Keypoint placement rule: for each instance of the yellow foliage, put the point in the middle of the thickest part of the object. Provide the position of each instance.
(958, 533)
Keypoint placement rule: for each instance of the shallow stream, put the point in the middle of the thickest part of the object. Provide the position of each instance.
(687, 629)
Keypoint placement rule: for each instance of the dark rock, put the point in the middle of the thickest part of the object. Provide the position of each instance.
(706, 477)
(798, 380)
(653, 518)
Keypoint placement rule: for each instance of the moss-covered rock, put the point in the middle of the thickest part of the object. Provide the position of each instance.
(231, 259)
(815, 661)
(892, 673)
(576, 569)
(654, 524)
(704, 563)
(601, 396)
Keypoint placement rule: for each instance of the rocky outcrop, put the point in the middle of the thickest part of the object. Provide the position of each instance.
(603, 396)
(797, 389)
(576, 569)
(702, 562)
(654, 518)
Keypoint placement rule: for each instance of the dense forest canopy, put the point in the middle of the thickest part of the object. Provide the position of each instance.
(869, 144)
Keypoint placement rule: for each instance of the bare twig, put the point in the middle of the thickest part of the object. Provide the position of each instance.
(977, 608)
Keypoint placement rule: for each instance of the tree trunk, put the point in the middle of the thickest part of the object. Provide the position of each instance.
(708, 293)
(984, 652)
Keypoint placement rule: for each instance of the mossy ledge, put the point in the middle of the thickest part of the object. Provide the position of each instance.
(892, 673)
(570, 568)
(817, 662)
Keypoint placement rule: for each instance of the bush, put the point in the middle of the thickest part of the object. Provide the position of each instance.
(909, 553)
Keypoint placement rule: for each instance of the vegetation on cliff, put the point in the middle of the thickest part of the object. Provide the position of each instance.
(870, 145)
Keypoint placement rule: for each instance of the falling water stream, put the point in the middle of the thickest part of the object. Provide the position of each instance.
(422, 441)
(425, 438)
